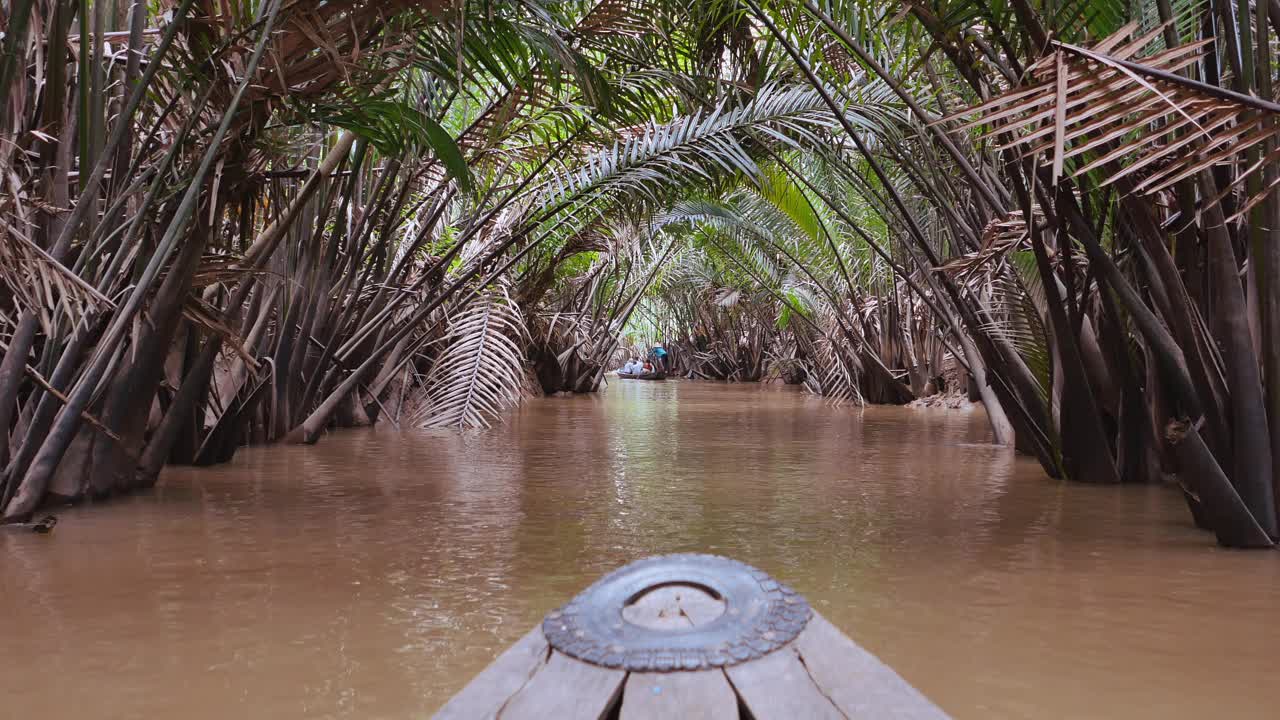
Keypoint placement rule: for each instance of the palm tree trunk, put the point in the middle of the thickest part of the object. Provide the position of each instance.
(1222, 509)
(1251, 442)
(31, 490)
(1267, 224)
(12, 370)
(1086, 450)
(132, 392)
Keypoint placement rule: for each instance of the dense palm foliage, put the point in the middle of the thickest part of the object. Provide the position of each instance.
(225, 223)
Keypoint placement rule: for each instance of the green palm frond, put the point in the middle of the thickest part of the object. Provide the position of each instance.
(696, 148)
(834, 375)
(1018, 304)
(393, 126)
(39, 283)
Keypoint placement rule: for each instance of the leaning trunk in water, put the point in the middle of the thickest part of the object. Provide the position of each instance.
(133, 391)
(1251, 450)
(34, 483)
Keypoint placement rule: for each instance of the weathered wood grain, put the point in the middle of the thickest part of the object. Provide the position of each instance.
(484, 696)
(657, 609)
(778, 687)
(855, 680)
(700, 607)
(673, 606)
(566, 689)
(821, 675)
(687, 695)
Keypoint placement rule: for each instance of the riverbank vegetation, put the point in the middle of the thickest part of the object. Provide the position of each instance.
(249, 222)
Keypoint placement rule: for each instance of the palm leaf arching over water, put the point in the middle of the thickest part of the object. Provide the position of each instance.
(694, 147)
(481, 371)
(1140, 122)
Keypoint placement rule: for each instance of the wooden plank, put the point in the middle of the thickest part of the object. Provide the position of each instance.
(700, 607)
(777, 687)
(657, 609)
(566, 689)
(855, 680)
(484, 696)
(674, 606)
(705, 694)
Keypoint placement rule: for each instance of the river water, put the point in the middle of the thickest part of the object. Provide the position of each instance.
(372, 575)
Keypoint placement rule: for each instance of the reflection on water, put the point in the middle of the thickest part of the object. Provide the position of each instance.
(372, 575)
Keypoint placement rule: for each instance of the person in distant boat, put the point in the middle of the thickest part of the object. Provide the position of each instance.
(659, 355)
(633, 367)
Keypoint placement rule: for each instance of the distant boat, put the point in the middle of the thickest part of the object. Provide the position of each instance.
(655, 375)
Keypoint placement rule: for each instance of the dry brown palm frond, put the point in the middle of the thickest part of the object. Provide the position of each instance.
(1136, 121)
(217, 268)
(44, 285)
(210, 320)
(1001, 236)
(85, 415)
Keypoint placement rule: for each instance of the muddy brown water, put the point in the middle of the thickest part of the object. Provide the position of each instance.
(372, 575)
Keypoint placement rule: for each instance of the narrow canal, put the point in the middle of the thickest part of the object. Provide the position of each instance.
(371, 575)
